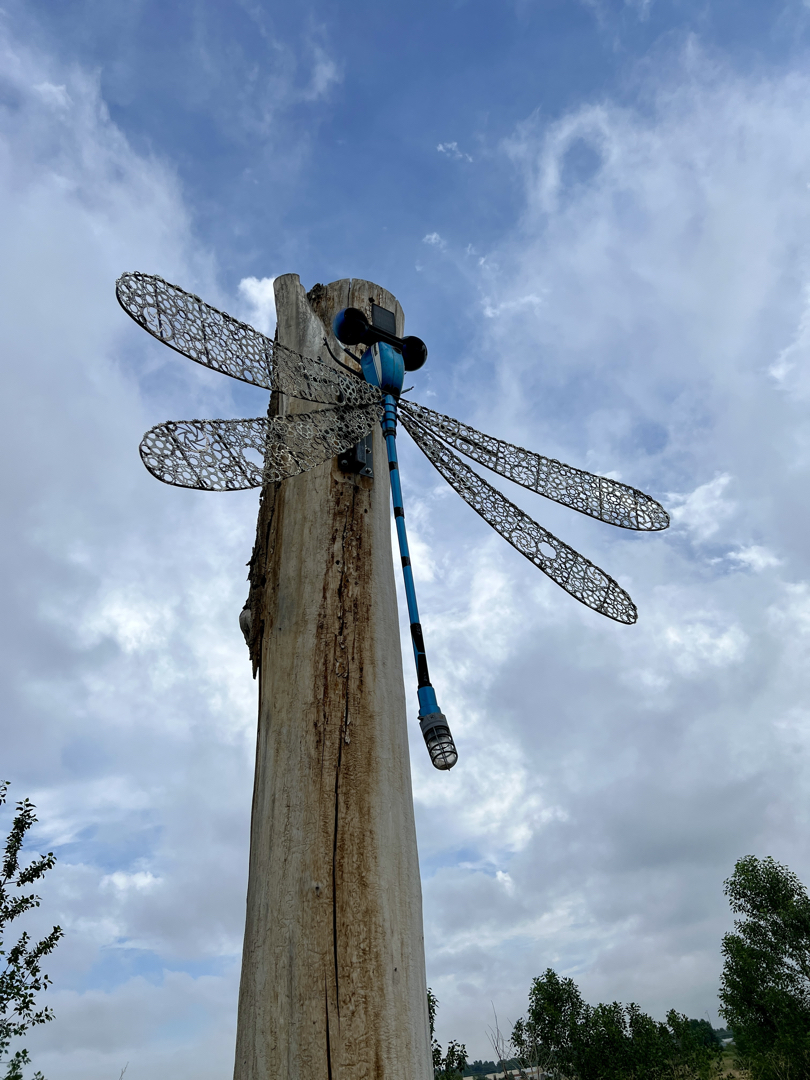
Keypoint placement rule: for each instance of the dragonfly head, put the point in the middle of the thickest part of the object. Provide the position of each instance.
(351, 327)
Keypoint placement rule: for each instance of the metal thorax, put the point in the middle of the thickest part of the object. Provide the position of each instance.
(228, 455)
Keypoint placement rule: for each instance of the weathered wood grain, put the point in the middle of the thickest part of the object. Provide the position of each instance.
(333, 981)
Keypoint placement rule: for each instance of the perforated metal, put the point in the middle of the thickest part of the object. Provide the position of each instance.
(570, 570)
(598, 496)
(210, 454)
(218, 341)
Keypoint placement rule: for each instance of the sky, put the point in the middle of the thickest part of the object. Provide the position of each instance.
(597, 215)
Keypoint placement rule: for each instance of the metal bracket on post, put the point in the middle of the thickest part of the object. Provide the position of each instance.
(359, 459)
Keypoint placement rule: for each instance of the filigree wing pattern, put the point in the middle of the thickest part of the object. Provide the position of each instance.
(205, 454)
(297, 443)
(570, 570)
(308, 379)
(210, 454)
(218, 341)
(598, 496)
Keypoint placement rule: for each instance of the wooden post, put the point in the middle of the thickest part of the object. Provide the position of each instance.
(333, 976)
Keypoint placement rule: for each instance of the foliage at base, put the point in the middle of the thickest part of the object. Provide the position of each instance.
(450, 1065)
(765, 989)
(21, 977)
(576, 1041)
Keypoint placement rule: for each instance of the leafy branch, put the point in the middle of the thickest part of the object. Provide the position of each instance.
(21, 975)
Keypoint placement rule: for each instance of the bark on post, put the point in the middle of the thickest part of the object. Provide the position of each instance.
(333, 979)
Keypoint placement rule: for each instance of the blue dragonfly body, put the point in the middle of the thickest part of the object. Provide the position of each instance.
(383, 367)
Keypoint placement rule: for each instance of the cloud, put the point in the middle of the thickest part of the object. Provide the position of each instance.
(703, 510)
(261, 301)
(699, 643)
(325, 74)
(791, 368)
(104, 1031)
(755, 557)
(452, 151)
(56, 96)
(126, 706)
(506, 307)
(624, 770)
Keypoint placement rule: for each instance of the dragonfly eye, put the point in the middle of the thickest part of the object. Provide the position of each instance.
(351, 327)
(414, 353)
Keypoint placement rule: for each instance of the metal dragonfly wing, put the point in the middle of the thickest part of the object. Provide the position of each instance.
(597, 496)
(210, 454)
(581, 578)
(216, 340)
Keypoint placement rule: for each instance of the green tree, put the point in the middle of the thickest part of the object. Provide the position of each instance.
(21, 976)
(698, 1048)
(572, 1039)
(765, 988)
(556, 1010)
(480, 1068)
(704, 1033)
(449, 1066)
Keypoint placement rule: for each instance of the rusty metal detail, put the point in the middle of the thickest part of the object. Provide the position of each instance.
(598, 496)
(211, 454)
(581, 578)
(216, 340)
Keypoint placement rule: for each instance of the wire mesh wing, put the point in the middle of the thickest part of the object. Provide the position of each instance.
(597, 496)
(570, 570)
(210, 454)
(218, 341)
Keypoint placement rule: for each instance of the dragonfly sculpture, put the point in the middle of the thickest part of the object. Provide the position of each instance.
(212, 455)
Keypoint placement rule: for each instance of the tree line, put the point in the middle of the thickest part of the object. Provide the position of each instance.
(764, 1000)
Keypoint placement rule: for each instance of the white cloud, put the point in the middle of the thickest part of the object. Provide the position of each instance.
(666, 245)
(104, 1031)
(54, 95)
(127, 706)
(325, 74)
(140, 879)
(700, 643)
(791, 368)
(703, 510)
(452, 151)
(434, 240)
(506, 307)
(755, 557)
(261, 303)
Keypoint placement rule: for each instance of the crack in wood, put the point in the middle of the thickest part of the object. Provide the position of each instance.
(328, 1040)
